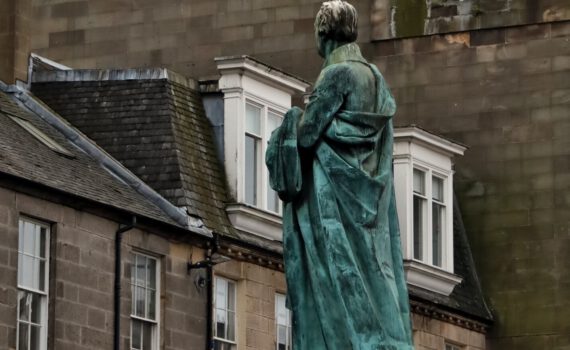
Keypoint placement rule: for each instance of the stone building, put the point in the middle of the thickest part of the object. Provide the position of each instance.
(90, 256)
(490, 74)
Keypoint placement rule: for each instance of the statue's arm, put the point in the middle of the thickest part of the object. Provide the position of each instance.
(325, 101)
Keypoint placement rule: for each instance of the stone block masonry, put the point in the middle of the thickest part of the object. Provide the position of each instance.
(82, 281)
(505, 98)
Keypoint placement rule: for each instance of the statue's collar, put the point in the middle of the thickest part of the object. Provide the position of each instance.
(347, 52)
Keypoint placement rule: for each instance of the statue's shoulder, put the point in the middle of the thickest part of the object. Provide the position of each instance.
(344, 72)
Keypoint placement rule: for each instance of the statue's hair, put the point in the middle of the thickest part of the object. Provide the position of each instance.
(337, 19)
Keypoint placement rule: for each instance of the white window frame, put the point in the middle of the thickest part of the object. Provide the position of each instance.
(217, 339)
(289, 336)
(262, 188)
(415, 148)
(244, 78)
(154, 323)
(43, 294)
(427, 224)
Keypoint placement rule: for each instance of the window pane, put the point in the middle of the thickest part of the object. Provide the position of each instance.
(24, 299)
(37, 241)
(220, 323)
(231, 326)
(135, 334)
(36, 307)
(28, 238)
(151, 300)
(42, 274)
(437, 233)
(36, 273)
(151, 268)
(140, 270)
(272, 199)
(27, 272)
(282, 313)
(418, 227)
(273, 122)
(133, 298)
(221, 316)
(282, 334)
(437, 189)
(419, 181)
(35, 338)
(140, 300)
(146, 336)
(23, 336)
(231, 296)
(43, 237)
(253, 119)
(250, 170)
(219, 345)
(221, 293)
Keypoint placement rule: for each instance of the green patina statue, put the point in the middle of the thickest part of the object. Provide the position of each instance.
(332, 166)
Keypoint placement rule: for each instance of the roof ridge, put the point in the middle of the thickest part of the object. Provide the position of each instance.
(105, 160)
(113, 75)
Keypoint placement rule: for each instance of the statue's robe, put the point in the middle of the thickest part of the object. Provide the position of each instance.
(332, 167)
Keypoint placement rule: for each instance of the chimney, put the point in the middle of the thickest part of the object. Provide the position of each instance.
(14, 40)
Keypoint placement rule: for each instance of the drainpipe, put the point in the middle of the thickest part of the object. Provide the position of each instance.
(208, 264)
(117, 291)
(210, 305)
(210, 299)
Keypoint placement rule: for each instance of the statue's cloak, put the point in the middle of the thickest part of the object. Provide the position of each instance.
(332, 167)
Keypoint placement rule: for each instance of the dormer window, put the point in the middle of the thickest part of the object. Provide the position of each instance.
(256, 97)
(423, 182)
(260, 121)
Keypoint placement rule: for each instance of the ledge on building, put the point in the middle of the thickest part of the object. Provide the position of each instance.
(256, 221)
(430, 278)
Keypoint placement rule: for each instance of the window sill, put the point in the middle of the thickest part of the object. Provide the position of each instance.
(430, 277)
(256, 221)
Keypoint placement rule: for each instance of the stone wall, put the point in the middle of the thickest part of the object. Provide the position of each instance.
(14, 39)
(183, 35)
(506, 94)
(406, 18)
(82, 279)
(432, 334)
(256, 289)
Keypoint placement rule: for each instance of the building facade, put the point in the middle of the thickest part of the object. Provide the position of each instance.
(91, 258)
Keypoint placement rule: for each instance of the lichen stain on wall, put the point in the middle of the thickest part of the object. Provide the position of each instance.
(408, 17)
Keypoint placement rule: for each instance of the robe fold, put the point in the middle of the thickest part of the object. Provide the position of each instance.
(332, 166)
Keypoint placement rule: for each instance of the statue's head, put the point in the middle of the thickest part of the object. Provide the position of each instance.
(336, 22)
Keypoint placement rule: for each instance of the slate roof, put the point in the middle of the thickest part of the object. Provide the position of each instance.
(22, 155)
(152, 121)
(467, 297)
